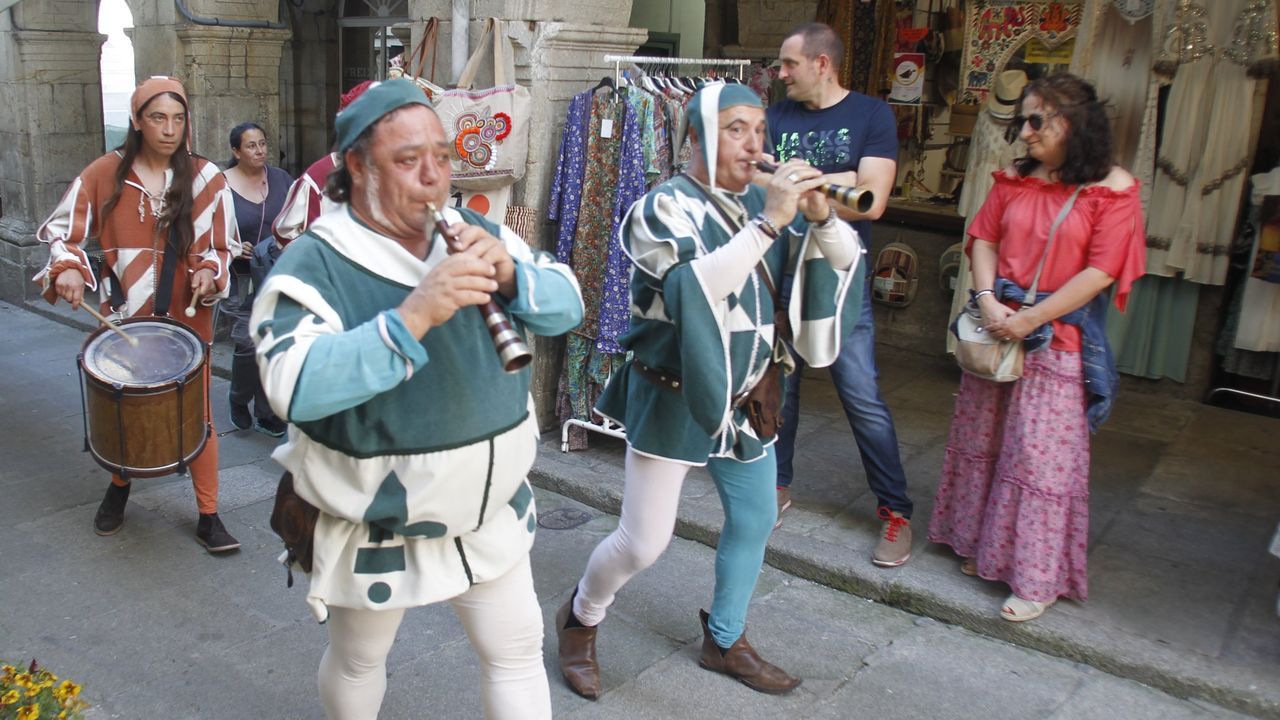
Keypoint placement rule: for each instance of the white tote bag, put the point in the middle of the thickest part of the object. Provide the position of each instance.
(488, 128)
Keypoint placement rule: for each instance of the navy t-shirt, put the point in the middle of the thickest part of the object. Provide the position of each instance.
(834, 139)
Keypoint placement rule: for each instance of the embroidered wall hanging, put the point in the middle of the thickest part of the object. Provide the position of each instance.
(996, 29)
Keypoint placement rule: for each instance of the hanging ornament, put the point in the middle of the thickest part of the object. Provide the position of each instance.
(1253, 41)
(1185, 40)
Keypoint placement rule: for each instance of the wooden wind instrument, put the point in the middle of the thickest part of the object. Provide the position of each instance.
(512, 350)
(858, 199)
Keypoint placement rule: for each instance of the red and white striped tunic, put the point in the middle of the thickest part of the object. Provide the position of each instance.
(306, 201)
(131, 245)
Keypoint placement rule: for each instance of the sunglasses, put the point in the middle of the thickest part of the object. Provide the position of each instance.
(1037, 120)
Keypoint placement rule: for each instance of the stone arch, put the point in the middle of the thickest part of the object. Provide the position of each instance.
(117, 83)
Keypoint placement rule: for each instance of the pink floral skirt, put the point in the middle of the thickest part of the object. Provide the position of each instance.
(1014, 492)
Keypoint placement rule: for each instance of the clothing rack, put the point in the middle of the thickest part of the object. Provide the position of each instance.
(618, 60)
(606, 427)
(1273, 398)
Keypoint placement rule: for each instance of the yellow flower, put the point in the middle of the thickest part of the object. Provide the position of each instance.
(30, 712)
(66, 691)
(7, 672)
(22, 680)
(9, 698)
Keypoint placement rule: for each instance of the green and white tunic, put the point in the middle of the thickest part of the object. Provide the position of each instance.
(415, 452)
(719, 348)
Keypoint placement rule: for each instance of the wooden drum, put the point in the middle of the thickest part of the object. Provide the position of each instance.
(144, 406)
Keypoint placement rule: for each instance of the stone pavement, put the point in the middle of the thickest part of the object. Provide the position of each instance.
(1185, 498)
(155, 627)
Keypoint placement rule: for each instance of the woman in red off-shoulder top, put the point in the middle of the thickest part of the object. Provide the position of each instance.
(1013, 500)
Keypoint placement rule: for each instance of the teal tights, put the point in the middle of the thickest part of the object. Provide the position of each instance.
(649, 503)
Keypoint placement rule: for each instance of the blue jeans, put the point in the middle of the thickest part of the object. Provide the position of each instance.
(854, 374)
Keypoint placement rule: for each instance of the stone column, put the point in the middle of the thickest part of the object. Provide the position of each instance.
(232, 75)
(562, 60)
(559, 51)
(50, 124)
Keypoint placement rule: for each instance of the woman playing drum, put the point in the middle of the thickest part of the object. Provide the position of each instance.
(149, 193)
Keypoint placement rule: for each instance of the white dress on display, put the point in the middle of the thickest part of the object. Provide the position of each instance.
(1202, 158)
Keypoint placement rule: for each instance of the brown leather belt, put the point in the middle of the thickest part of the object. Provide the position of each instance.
(661, 378)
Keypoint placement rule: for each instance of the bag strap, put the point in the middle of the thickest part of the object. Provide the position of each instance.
(503, 64)
(428, 43)
(1030, 299)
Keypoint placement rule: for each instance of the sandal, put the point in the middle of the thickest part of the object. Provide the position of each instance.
(1017, 609)
(969, 567)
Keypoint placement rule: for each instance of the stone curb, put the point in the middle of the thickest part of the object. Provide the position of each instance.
(950, 600)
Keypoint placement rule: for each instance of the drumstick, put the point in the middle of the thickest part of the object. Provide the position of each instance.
(110, 325)
(191, 309)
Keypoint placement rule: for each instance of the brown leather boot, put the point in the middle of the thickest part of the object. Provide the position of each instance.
(741, 663)
(578, 653)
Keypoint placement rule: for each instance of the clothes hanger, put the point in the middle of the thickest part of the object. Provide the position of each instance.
(605, 81)
(646, 82)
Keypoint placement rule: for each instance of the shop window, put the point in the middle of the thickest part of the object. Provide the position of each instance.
(372, 34)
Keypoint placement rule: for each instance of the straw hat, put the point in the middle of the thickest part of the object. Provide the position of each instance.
(1002, 101)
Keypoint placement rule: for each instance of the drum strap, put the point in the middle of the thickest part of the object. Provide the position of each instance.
(164, 288)
(164, 292)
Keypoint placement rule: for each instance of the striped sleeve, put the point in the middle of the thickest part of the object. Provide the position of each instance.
(65, 232)
(301, 206)
(217, 238)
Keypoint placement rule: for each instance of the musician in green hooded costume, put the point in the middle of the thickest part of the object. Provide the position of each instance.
(706, 248)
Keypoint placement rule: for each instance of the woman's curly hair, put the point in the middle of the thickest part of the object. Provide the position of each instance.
(1090, 148)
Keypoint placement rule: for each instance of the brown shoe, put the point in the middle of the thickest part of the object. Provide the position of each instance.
(895, 540)
(784, 504)
(741, 663)
(578, 652)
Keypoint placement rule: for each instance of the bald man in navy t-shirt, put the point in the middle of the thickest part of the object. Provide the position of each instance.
(852, 138)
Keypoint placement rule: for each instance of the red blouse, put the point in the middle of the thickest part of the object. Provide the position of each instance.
(1104, 230)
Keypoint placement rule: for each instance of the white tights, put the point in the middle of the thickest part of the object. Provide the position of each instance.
(504, 623)
(650, 499)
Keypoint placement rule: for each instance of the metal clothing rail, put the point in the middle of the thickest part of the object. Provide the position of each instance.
(606, 427)
(617, 61)
(1273, 398)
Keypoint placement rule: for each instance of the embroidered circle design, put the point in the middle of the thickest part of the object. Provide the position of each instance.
(379, 592)
(480, 156)
(503, 121)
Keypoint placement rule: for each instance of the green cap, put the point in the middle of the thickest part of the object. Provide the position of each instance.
(377, 101)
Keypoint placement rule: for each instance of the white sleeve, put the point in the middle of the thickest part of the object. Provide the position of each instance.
(838, 243)
(725, 269)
